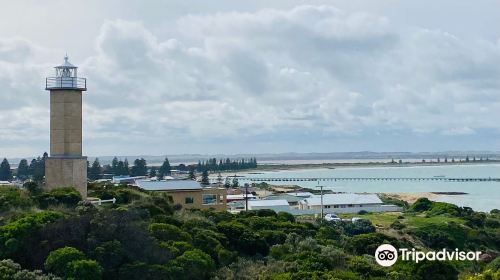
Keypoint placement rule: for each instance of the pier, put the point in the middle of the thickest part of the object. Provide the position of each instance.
(442, 179)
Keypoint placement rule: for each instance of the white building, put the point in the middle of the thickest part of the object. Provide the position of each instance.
(276, 205)
(240, 197)
(341, 200)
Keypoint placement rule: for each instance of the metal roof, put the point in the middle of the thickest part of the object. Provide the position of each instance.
(287, 197)
(240, 196)
(66, 64)
(300, 194)
(344, 198)
(169, 185)
(276, 202)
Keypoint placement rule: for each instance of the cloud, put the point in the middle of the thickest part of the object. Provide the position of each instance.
(308, 72)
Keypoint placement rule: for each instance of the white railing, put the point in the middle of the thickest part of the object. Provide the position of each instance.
(101, 201)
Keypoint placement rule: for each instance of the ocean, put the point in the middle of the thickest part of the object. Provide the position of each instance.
(481, 196)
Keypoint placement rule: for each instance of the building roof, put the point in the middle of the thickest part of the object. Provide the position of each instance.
(343, 198)
(66, 63)
(169, 185)
(276, 202)
(239, 196)
(287, 197)
(301, 194)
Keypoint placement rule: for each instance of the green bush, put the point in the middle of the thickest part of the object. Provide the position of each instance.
(57, 261)
(9, 270)
(14, 236)
(166, 232)
(84, 270)
(61, 196)
(442, 208)
(422, 204)
(397, 225)
(192, 265)
(11, 197)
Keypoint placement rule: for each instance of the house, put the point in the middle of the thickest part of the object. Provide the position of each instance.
(239, 197)
(346, 203)
(293, 201)
(188, 193)
(125, 179)
(341, 200)
(276, 205)
(301, 194)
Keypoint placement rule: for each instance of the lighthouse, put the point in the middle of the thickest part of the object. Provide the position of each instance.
(66, 167)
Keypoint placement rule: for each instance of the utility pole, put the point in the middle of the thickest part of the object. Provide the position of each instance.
(322, 214)
(246, 197)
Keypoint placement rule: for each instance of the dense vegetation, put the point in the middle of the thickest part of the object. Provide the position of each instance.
(53, 235)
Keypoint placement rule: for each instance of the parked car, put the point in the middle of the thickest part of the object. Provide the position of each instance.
(332, 217)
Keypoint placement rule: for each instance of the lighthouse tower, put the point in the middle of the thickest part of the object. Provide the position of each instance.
(66, 167)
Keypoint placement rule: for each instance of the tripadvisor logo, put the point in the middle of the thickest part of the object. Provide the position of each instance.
(387, 255)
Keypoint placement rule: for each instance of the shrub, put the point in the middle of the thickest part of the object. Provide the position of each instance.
(441, 208)
(12, 197)
(65, 196)
(397, 225)
(84, 270)
(58, 260)
(193, 264)
(15, 235)
(359, 227)
(494, 265)
(368, 243)
(166, 232)
(422, 204)
(285, 216)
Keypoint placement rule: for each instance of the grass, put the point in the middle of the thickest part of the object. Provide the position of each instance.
(384, 220)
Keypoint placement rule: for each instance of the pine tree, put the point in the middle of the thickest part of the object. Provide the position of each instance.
(204, 178)
(235, 182)
(191, 175)
(153, 172)
(140, 168)
(219, 179)
(165, 169)
(23, 170)
(5, 172)
(227, 183)
(126, 168)
(95, 170)
(114, 166)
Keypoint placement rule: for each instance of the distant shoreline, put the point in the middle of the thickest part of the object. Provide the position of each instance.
(307, 166)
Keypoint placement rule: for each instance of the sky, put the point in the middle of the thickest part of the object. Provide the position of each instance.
(233, 77)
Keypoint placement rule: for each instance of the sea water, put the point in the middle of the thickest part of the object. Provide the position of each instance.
(481, 196)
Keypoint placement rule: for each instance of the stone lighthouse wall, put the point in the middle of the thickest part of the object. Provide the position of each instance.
(65, 123)
(66, 167)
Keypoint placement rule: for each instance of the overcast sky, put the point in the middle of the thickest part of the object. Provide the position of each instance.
(174, 77)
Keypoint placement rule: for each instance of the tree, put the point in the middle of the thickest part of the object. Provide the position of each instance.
(126, 168)
(33, 188)
(84, 270)
(95, 170)
(227, 183)
(165, 169)
(204, 178)
(114, 166)
(235, 182)
(5, 172)
(23, 170)
(191, 175)
(57, 261)
(140, 168)
(153, 172)
(193, 264)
